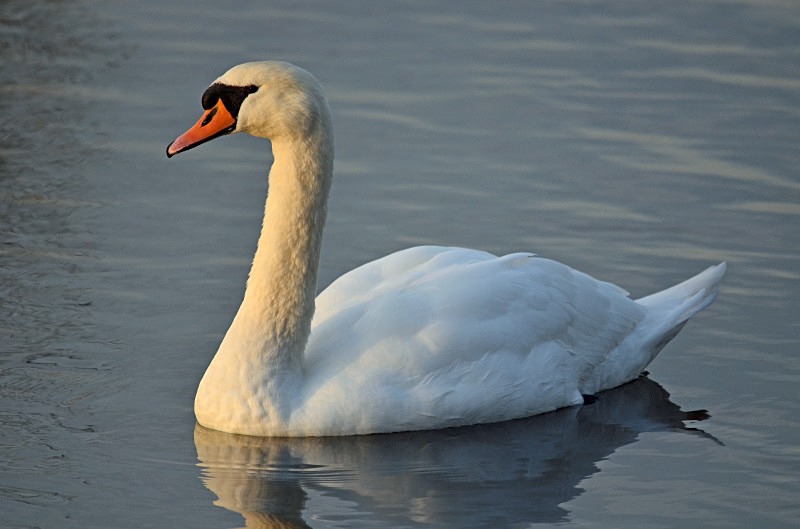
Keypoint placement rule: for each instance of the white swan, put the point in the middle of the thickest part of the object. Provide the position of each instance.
(424, 338)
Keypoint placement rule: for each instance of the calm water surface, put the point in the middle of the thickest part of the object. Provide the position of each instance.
(638, 142)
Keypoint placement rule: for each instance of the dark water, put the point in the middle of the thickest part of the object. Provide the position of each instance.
(639, 142)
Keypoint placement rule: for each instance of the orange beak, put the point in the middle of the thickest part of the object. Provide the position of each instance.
(215, 122)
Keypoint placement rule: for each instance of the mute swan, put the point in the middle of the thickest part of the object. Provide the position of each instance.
(425, 338)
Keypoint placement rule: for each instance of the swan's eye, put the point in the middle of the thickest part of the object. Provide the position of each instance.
(232, 96)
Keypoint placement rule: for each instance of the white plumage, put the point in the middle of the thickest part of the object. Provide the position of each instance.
(425, 338)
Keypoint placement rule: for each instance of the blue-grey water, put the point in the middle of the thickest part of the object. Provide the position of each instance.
(637, 141)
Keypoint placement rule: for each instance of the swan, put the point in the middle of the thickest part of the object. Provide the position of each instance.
(425, 338)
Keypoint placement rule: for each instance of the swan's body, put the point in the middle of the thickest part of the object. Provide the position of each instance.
(425, 338)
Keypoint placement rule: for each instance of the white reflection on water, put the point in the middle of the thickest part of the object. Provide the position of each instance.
(486, 476)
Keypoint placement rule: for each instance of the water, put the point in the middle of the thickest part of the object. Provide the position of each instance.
(634, 141)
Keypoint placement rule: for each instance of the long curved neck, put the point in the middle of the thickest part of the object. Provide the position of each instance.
(274, 320)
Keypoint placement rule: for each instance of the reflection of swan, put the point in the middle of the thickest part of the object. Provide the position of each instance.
(425, 338)
(482, 476)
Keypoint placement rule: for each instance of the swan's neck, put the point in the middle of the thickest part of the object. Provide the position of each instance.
(272, 326)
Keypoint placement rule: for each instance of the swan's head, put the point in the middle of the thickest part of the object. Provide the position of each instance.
(269, 99)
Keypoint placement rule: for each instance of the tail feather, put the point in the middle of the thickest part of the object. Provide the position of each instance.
(677, 304)
(666, 313)
(669, 310)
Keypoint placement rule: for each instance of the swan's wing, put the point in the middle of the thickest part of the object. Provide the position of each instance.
(452, 330)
